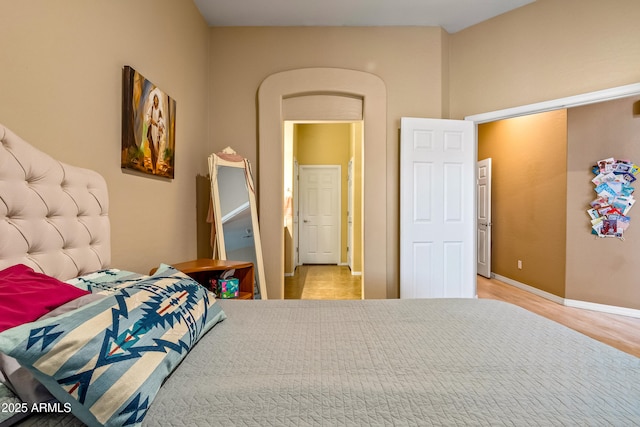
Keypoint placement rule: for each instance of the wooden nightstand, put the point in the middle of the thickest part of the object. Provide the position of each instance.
(204, 269)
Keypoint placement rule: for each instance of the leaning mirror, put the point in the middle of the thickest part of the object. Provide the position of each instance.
(235, 215)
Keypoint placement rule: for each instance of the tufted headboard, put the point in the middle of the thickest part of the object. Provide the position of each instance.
(53, 217)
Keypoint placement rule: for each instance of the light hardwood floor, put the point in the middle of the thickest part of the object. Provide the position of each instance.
(336, 282)
(621, 332)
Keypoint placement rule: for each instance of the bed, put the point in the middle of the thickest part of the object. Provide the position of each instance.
(266, 362)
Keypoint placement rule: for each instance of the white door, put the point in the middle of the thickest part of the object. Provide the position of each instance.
(296, 210)
(319, 214)
(483, 193)
(350, 215)
(437, 208)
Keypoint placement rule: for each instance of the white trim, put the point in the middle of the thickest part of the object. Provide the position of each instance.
(611, 309)
(353, 273)
(568, 102)
(530, 289)
(234, 213)
(584, 305)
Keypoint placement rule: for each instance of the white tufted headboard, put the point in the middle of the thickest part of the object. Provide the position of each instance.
(53, 217)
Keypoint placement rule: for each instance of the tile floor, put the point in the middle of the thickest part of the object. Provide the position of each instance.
(323, 282)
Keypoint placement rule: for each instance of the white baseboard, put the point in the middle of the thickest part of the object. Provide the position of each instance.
(353, 273)
(611, 309)
(531, 289)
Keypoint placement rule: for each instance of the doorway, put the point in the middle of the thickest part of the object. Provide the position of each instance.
(577, 252)
(308, 146)
(328, 94)
(319, 207)
(311, 146)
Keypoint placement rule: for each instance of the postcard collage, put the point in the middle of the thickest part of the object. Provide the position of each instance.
(614, 197)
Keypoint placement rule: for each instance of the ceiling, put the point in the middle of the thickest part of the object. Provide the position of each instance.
(452, 15)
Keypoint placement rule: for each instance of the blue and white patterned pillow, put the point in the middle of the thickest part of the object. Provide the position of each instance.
(106, 281)
(108, 359)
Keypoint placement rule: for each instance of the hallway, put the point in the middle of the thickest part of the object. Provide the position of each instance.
(323, 282)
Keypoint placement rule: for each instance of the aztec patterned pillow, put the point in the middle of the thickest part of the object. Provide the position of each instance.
(106, 281)
(108, 359)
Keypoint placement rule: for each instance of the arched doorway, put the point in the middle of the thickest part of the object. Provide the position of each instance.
(314, 91)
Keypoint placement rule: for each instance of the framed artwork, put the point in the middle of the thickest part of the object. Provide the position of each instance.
(148, 126)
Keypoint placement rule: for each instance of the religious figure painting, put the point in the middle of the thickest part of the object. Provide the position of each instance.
(148, 126)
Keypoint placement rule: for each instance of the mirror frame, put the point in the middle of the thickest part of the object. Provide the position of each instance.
(229, 158)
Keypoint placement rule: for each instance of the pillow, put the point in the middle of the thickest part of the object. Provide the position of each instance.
(18, 379)
(108, 359)
(106, 281)
(26, 295)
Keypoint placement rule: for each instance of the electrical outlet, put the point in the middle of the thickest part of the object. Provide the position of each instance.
(519, 264)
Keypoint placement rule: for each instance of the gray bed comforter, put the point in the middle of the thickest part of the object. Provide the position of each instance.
(395, 362)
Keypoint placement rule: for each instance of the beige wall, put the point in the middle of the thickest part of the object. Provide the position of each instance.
(408, 60)
(60, 89)
(546, 50)
(601, 270)
(529, 193)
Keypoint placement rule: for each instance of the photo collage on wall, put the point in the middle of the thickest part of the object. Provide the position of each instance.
(614, 197)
